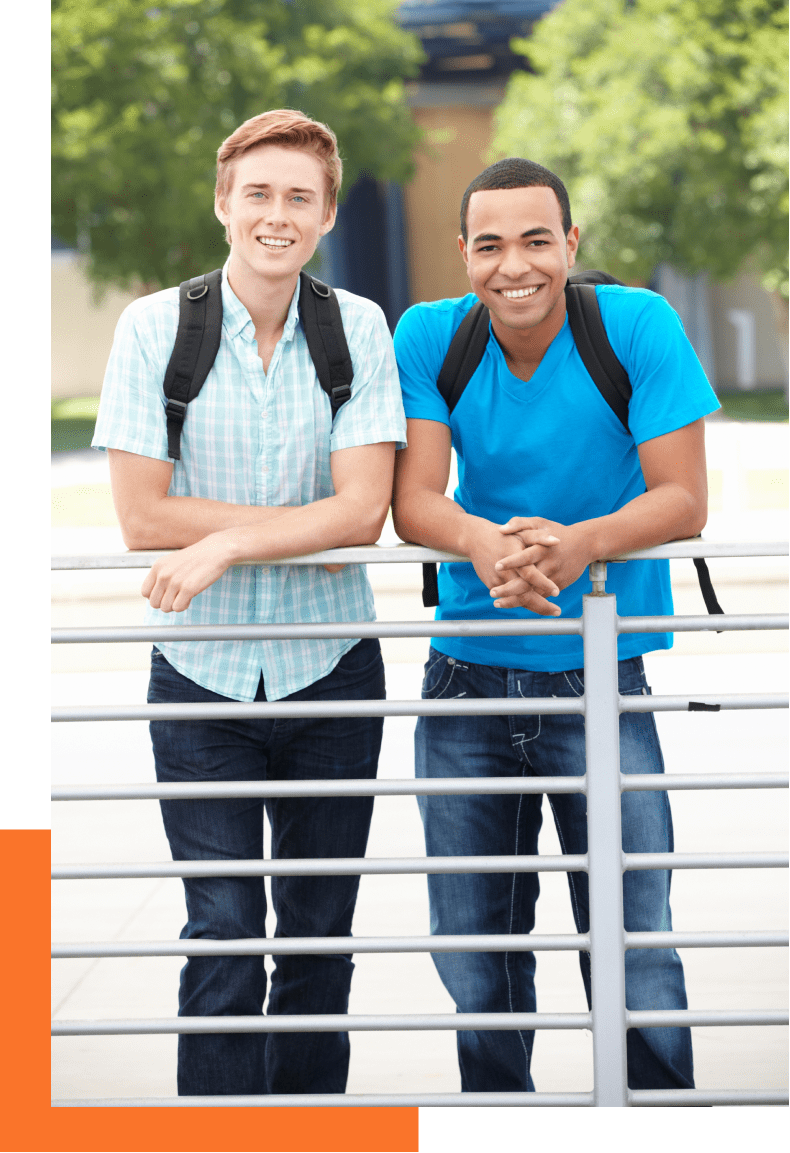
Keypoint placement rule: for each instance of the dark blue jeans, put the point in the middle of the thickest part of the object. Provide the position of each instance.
(475, 746)
(223, 908)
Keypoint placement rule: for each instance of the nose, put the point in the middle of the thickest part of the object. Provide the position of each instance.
(276, 210)
(515, 262)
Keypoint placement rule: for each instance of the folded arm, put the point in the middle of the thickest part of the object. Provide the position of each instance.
(217, 536)
(674, 506)
(150, 519)
(424, 515)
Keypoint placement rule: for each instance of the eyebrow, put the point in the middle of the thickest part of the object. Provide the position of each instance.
(524, 235)
(245, 187)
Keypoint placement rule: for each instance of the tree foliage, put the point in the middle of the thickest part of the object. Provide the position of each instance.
(667, 120)
(144, 96)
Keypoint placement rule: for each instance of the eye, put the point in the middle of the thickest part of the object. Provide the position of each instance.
(301, 199)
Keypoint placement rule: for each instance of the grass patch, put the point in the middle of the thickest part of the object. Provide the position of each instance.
(73, 421)
(754, 405)
(72, 435)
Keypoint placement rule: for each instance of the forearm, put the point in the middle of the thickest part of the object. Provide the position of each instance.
(434, 520)
(667, 512)
(334, 522)
(179, 521)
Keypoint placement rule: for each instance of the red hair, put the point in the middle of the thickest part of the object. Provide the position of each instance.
(290, 129)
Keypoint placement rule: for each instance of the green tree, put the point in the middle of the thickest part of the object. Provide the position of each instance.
(144, 96)
(667, 119)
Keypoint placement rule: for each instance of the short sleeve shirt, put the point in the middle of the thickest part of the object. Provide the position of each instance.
(255, 438)
(552, 447)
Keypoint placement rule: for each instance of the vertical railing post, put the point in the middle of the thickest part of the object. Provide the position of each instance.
(604, 842)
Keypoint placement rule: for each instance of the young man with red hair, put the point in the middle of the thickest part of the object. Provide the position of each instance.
(265, 472)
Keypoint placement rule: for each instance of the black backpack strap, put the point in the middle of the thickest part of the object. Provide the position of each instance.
(323, 329)
(598, 357)
(194, 352)
(706, 587)
(464, 354)
(459, 366)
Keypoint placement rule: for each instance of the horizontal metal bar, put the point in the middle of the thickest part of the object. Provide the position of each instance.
(345, 629)
(330, 630)
(696, 547)
(679, 1097)
(367, 866)
(633, 861)
(416, 554)
(447, 786)
(354, 554)
(324, 867)
(649, 782)
(729, 940)
(473, 628)
(307, 946)
(490, 707)
(721, 701)
(337, 1101)
(214, 790)
(242, 710)
(474, 943)
(662, 1018)
(703, 624)
(323, 1023)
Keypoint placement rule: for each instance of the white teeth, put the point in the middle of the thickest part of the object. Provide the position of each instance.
(518, 293)
(271, 242)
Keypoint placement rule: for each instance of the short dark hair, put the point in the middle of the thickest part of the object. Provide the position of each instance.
(516, 172)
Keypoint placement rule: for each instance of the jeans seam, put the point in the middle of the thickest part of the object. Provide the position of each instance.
(571, 887)
(510, 932)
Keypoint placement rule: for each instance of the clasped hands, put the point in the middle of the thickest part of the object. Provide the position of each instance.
(551, 557)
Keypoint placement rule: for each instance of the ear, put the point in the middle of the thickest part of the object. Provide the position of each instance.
(220, 211)
(572, 244)
(329, 220)
(463, 249)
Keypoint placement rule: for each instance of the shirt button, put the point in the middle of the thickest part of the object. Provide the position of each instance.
(265, 570)
(265, 468)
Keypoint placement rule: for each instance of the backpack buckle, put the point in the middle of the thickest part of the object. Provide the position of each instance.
(197, 293)
(176, 409)
(340, 394)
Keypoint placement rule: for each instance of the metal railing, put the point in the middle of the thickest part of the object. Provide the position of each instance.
(605, 862)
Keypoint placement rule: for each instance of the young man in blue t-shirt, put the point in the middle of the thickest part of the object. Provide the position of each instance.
(548, 481)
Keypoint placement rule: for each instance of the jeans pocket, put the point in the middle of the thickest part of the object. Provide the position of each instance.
(575, 681)
(439, 673)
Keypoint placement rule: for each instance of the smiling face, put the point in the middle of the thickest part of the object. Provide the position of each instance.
(517, 256)
(276, 211)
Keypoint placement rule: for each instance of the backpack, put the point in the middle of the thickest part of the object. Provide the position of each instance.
(609, 376)
(200, 330)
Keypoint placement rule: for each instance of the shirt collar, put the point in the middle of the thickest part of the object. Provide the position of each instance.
(235, 316)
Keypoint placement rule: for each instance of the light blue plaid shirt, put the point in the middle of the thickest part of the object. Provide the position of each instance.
(255, 438)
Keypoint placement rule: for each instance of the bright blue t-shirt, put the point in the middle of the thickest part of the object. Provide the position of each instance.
(552, 447)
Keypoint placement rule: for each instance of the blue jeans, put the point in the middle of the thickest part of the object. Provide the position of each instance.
(222, 908)
(475, 746)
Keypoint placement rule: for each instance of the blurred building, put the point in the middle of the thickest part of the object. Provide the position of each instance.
(397, 245)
